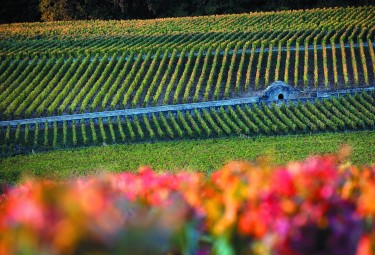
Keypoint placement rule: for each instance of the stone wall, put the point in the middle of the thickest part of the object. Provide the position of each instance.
(279, 91)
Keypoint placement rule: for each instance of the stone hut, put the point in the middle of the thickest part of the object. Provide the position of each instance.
(279, 91)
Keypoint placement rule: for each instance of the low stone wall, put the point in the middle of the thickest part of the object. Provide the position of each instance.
(330, 93)
(269, 96)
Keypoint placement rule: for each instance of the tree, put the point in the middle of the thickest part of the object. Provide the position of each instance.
(49, 10)
(55, 10)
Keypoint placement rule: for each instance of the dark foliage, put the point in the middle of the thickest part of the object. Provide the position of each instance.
(45, 10)
(19, 11)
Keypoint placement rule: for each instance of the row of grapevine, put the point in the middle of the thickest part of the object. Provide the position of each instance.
(58, 86)
(179, 33)
(102, 78)
(335, 114)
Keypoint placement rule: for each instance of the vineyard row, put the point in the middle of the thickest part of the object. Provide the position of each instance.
(43, 87)
(50, 47)
(351, 112)
(213, 52)
(300, 20)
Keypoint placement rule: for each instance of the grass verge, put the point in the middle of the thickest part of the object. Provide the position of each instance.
(196, 155)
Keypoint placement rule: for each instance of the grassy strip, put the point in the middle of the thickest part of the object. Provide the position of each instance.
(196, 155)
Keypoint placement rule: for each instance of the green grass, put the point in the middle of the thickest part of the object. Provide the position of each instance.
(195, 155)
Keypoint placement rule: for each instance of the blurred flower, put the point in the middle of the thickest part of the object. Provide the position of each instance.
(312, 207)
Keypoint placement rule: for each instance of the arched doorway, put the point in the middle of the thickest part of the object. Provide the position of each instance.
(281, 96)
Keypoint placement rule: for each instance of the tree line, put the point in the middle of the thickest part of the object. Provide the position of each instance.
(51, 10)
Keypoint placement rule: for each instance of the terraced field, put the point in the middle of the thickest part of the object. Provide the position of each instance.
(60, 68)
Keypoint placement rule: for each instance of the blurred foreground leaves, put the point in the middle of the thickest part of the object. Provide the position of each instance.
(322, 205)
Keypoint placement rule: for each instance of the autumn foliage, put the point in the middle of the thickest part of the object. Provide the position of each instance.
(317, 206)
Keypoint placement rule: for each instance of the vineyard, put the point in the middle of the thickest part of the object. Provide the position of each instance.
(350, 112)
(65, 68)
(76, 67)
